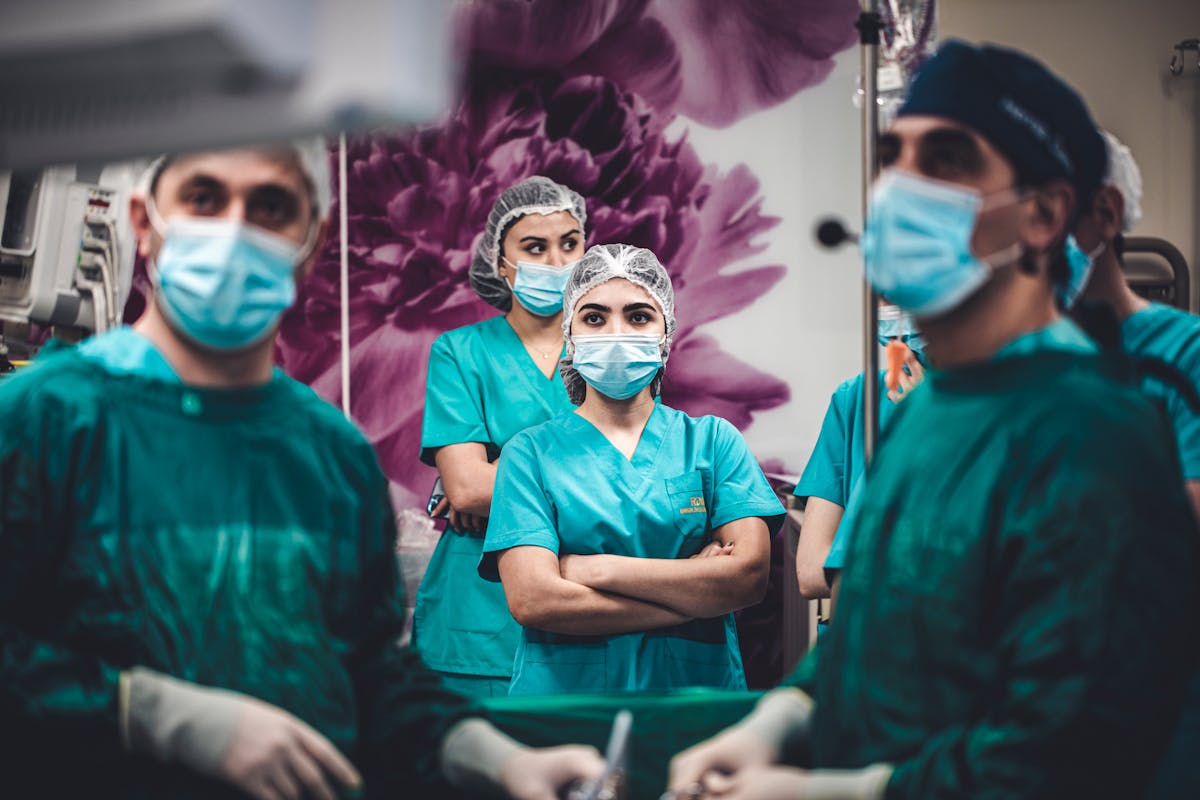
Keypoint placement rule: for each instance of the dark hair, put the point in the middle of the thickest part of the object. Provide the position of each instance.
(504, 234)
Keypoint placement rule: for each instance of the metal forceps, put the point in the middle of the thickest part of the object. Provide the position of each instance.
(616, 757)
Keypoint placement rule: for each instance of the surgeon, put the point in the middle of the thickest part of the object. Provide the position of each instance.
(1147, 331)
(198, 590)
(487, 382)
(598, 513)
(837, 461)
(1022, 569)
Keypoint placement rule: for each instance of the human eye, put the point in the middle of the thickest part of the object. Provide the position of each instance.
(888, 149)
(593, 318)
(203, 201)
(570, 243)
(949, 155)
(272, 208)
(535, 248)
(640, 318)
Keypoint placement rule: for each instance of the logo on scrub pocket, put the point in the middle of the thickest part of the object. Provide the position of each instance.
(695, 506)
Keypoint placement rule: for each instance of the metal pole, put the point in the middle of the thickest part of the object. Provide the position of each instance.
(344, 273)
(868, 26)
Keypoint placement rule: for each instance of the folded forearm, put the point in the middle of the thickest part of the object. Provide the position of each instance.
(572, 608)
(467, 477)
(694, 587)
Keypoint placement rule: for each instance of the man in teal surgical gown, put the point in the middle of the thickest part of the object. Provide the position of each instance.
(1020, 587)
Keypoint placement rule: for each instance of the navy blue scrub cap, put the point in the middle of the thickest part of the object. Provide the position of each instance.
(1025, 111)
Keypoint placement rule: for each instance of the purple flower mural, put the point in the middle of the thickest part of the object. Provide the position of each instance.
(582, 93)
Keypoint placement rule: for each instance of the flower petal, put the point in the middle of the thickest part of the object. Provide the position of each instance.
(539, 34)
(738, 58)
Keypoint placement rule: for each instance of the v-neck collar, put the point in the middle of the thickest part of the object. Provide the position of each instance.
(633, 471)
(521, 354)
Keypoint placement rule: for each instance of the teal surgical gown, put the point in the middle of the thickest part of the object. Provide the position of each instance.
(1172, 336)
(238, 538)
(563, 486)
(837, 460)
(1020, 583)
(482, 387)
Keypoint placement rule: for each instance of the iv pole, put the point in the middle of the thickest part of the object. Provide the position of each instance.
(869, 25)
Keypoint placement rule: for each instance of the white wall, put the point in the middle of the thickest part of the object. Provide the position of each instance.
(1116, 53)
(806, 155)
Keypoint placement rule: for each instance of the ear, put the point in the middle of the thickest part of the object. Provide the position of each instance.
(1048, 218)
(306, 267)
(139, 220)
(1109, 212)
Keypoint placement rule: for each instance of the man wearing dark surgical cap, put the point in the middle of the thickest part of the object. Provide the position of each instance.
(1022, 567)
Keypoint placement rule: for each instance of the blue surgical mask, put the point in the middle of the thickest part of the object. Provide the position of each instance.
(1079, 265)
(917, 243)
(894, 323)
(539, 288)
(618, 365)
(224, 283)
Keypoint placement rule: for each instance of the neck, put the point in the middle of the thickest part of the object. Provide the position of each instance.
(609, 414)
(534, 329)
(1010, 305)
(1108, 285)
(197, 366)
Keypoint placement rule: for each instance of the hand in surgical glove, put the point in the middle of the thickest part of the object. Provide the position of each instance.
(258, 748)
(480, 760)
(788, 783)
(543, 774)
(756, 741)
(757, 783)
(910, 377)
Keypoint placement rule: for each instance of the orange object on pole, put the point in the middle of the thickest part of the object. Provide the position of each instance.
(897, 351)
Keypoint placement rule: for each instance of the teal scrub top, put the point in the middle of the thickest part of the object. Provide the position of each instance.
(1173, 336)
(837, 460)
(238, 538)
(1021, 581)
(565, 487)
(482, 387)
(1063, 334)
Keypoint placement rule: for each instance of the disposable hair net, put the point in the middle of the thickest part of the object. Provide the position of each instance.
(536, 195)
(601, 263)
(311, 153)
(1123, 173)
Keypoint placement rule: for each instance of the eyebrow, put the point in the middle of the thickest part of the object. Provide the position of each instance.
(203, 179)
(200, 179)
(954, 140)
(532, 238)
(639, 306)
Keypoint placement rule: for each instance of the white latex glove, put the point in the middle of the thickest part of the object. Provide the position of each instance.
(788, 783)
(543, 774)
(262, 750)
(756, 741)
(480, 759)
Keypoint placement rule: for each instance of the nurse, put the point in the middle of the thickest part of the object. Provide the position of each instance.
(486, 382)
(626, 533)
(837, 460)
